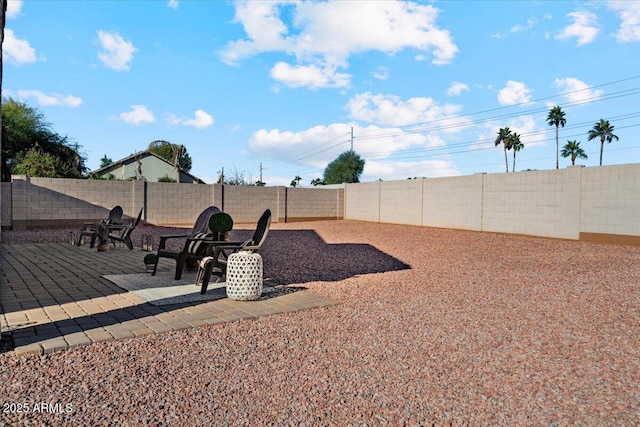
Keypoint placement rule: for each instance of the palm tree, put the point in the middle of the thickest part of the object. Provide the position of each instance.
(604, 130)
(572, 149)
(517, 145)
(504, 139)
(556, 118)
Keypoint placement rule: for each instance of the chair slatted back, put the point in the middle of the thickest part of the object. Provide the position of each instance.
(127, 231)
(202, 223)
(262, 229)
(115, 215)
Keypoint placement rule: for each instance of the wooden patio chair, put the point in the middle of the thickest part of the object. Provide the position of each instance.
(193, 248)
(115, 218)
(220, 252)
(125, 232)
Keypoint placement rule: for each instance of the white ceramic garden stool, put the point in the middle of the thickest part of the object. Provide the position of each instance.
(244, 276)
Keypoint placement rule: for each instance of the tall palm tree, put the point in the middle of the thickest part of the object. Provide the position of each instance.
(604, 130)
(572, 149)
(516, 145)
(504, 139)
(556, 118)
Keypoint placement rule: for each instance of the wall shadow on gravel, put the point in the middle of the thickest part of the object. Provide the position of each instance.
(301, 256)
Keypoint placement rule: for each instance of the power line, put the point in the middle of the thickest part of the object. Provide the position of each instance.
(522, 103)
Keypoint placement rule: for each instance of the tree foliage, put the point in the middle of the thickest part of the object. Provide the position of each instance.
(572, 149)
(516, 145)
(504, 138)
(347, 167)
(105, 161)
(556, 118)
(604, 131)
(29, 141)
(172, 153)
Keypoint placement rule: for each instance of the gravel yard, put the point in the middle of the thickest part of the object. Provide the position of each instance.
(436, 327)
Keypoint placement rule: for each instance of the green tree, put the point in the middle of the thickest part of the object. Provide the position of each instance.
(166, 178)
(260, 183)
(503, 138)
(347, 167)
(556, 118)
(37, 163)
(25, 129)
(572, 149)
(173, 153)
(604, 130)
(516, 145)
(105, 161)
(293, 183)
(317, 181)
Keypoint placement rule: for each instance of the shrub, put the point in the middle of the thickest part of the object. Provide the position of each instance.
(220, 223)
(150, 258)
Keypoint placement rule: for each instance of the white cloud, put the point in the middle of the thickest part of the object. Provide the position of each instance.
(629, 11)
(201, 120)
(13, 8)
(530, 134)
(577, 91)
(390, 110)
(392, 170)
(117, 53)
(514, 93)
(138, 114)
(457, 88)
(17, 51)
(319, 145)
(50, 100)
(381, 73)
(310, 76)
(584, 27)
(326, 34)
(173, 4)
(531, 22)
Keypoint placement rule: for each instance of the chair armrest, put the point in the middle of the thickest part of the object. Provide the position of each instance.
(163, 239)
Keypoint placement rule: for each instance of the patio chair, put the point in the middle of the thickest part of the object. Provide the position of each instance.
(193, 248)
(115, 216)
(221, 250)
(125, 232)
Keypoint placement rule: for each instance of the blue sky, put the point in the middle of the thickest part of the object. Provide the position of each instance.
(424, 85)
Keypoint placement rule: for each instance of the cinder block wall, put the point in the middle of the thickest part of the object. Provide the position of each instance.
(362, 201)
(610, 203)
(55, 202)
(169, 203)
(6, 205)
(41, 202)
(544, 203)
(596, 204)
(454, 202)
(306, 204)
(401, 201)
(245, 204)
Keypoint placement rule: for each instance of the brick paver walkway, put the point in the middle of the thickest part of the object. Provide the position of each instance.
(53, 297)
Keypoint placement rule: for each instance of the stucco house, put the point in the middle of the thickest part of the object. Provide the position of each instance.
(145, 165)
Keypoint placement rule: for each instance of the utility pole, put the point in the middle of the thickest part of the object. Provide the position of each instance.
(351, 138)
(260, 171)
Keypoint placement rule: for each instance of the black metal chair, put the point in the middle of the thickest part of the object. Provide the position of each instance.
(193, 249)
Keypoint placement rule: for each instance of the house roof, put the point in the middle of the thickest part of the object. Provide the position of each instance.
(144, 153)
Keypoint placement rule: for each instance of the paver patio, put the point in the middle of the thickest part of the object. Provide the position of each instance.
(53, 297)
